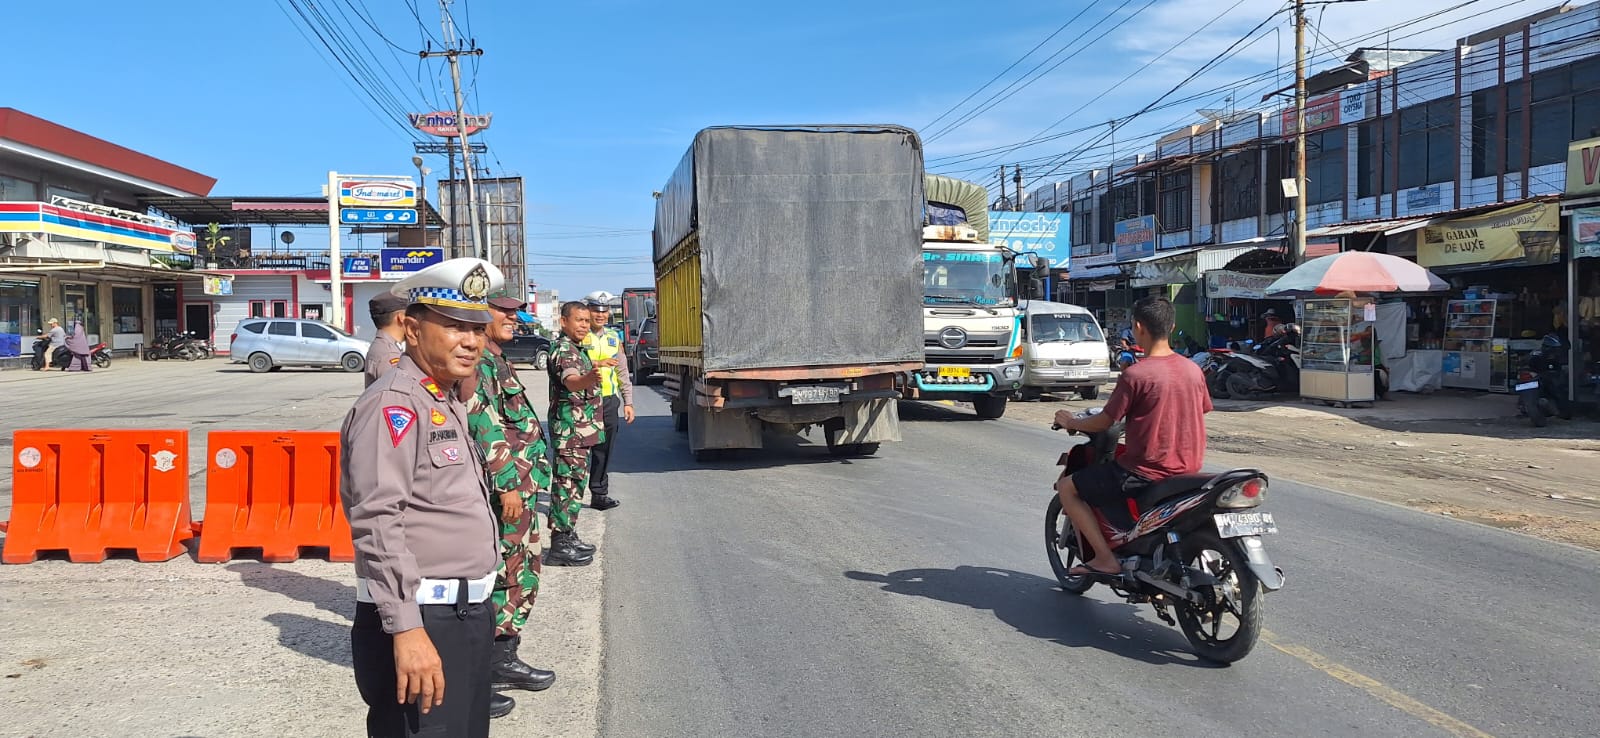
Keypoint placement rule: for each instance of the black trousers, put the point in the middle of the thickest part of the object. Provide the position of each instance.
(600, 453)
(464, 639)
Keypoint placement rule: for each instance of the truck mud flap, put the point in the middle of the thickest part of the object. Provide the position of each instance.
(871, 421)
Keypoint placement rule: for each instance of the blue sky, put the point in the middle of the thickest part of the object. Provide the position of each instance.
(595, 102)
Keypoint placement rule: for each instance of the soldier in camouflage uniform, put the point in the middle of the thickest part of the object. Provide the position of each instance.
(503, 422)
(574, 426)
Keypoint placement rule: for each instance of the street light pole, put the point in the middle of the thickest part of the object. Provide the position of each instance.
(422, 197)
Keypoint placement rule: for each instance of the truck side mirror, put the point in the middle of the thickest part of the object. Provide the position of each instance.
(1039, 262)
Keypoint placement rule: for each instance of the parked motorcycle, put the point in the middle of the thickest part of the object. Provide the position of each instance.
(1124, 352)
(1190, 546)
(1273, 367)
(172, 346)
(100, 354)
(1542, 382)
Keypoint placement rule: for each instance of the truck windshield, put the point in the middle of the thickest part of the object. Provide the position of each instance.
(1064, 328)
(970, 277)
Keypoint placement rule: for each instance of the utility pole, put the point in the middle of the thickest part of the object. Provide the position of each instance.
(1016, 178)
(453, 52)
(1298, 251)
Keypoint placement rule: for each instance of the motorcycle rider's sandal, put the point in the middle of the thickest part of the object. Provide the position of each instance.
(1085, 570)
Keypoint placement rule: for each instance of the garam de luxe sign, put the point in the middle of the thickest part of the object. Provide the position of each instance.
(1497, 235)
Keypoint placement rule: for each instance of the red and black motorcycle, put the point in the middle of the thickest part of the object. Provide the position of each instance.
(1190, 544)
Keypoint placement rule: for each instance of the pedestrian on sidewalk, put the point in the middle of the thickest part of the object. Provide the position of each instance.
(386, 310)
(503, 422)
(574, 427)
(604, 347)
(413, 487)
(78, 345)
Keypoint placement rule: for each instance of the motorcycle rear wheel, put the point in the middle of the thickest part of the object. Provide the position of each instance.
(1240, 388)
(102, 361)
(1534, 407)
(1061, 546)
(1204, 628)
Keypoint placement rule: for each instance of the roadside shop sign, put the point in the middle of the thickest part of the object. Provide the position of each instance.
(1586, 233)
(357, 266)
(382, 193)
(395, 263)
(1036, 232)
(1135, 238)
(1222, 284)
(217, 285)
(443, 123)
(1497, 235)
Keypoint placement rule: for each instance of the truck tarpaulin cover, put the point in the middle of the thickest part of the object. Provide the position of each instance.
(810, 243)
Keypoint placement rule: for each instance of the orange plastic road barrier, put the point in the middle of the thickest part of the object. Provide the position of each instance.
(273, 490)
(89, 491)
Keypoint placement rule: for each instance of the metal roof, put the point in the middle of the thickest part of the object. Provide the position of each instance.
(274, 211)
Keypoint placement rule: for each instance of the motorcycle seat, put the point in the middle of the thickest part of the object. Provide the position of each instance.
(1171, 487)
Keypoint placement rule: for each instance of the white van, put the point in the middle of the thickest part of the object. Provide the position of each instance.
(1063, 349)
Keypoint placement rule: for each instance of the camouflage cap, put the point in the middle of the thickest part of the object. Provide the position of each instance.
(505, 299)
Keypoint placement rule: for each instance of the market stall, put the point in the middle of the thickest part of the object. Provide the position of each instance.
(1340, 318)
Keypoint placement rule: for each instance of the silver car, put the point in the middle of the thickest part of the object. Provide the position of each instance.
(269, 344)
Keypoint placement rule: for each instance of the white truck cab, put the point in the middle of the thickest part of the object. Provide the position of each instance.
(1063, 349)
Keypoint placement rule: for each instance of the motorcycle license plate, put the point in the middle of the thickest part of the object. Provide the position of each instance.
(954, 371)
(1527, 386)
(1233, 525)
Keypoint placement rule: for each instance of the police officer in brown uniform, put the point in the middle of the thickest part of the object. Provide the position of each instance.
(413, 487)
(387, 311)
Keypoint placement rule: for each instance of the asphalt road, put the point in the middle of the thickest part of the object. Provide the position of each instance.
(790, 594)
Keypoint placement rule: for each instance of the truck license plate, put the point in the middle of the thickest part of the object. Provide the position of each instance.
(814, 395)
(954, 371)
(1233, 525)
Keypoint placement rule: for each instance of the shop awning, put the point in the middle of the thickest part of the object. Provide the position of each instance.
(1098, 272)
(1185, 265)
(1385, 227)
(276, 211)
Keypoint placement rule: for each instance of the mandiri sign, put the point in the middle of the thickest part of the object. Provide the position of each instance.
(395, 263)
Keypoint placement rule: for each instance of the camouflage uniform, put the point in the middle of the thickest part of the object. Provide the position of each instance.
(503, 422)
(575, 427)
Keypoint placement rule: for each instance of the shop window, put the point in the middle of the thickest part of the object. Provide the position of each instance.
(1486, 144)
(1124, 202)
(258, 308)
(1325, 166)
(1280, 166)
(1083, 231)
(1174, 209)
(127, 310)
(19, 307)
(1428, 143)
(13, 189)
(1374, 158)
(80, 302)
(280, 309)
(1239, 185)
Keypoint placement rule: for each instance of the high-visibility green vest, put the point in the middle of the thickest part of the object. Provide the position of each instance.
(600, 347)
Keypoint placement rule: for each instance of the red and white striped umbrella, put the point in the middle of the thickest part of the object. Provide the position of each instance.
(1357, 271)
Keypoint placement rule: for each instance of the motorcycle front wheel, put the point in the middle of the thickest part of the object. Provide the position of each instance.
(102, 360)
(1226, 627)
(1061, 546)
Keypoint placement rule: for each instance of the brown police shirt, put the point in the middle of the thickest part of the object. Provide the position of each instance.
(414, 490)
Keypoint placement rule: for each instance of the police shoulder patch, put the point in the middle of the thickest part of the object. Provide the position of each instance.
(395, 360)
(399, 420)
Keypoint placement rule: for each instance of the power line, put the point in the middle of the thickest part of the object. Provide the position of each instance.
(1012, 66)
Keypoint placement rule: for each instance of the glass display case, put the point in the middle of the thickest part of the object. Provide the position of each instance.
(1336, 351)
(1469, 346)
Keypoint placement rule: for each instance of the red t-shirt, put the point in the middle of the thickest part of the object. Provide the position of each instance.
(1164, 400)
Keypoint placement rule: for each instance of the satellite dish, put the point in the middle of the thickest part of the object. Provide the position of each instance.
(286, 237)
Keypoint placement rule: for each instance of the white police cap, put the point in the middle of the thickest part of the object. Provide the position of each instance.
(457, 288)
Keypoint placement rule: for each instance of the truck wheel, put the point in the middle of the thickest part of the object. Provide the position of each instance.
(989, 407)
(1089, 393)
(708, 455)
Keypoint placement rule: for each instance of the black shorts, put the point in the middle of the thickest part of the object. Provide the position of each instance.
(1107, 486)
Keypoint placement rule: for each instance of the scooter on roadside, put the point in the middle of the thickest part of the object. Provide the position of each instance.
(100, 354)
(1542, 382)
(1190, 546)
(1274, 366)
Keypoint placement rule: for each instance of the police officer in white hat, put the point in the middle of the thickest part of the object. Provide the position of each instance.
(413, 486)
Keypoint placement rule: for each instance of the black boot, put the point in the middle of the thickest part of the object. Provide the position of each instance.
(563, 553)
(500, 705)
(580, 545)
(510, 672)
(604, 502)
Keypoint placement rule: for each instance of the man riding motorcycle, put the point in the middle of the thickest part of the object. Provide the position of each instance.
(1164, 399)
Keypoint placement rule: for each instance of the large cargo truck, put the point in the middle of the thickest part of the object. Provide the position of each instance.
(788, 277)
(970, 321)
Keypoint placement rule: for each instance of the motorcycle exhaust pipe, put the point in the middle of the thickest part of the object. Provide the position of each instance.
(1166, 586)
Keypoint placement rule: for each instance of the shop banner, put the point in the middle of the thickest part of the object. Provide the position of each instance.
(1583, 167)
(1035, 232)
(217, 285)
(1586, 233)
(1494, 236)
(1222, 284)
(1135, 238)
